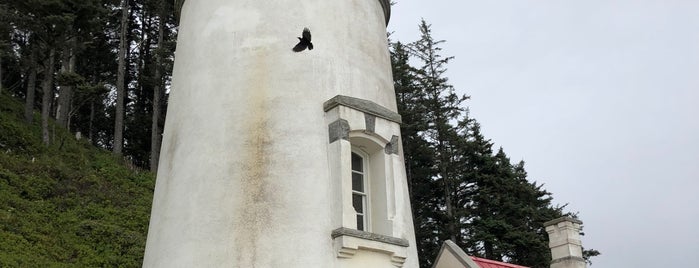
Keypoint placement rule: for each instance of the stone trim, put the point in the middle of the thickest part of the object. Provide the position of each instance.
(338, 130)
(385, 5)
(392, 146)
(362, 105)
(568, 258)
(562, 219)
(370, 122)
(342, 231)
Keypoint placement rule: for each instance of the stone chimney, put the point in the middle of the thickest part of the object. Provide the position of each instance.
(564, 241)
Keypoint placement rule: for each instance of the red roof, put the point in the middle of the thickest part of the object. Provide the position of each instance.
(486, 263)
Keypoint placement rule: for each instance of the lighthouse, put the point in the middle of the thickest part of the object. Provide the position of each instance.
(275, 155)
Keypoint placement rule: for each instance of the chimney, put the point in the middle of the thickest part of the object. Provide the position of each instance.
(564, 242)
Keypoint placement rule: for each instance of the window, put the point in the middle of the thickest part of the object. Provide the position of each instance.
(372, 210)
(359, 191)
(368, 179)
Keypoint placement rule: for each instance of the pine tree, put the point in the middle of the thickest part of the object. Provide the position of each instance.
(460, 189)
(31, 84)
(152, 29)
(4, 38)
(429, 105)
(49, 33)
(118, 144)
(442, 107)
(43, 21)
(419, 155)
(158, 87)
(508, 214)
(84, 37)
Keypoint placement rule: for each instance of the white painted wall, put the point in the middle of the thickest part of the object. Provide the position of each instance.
(244, 176)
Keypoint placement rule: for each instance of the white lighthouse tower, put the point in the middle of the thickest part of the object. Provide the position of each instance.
(276, 158)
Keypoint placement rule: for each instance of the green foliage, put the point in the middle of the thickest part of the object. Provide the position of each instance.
(68, 205)
(84, 35)
(589, 253)
(69, 79)
(461, 190)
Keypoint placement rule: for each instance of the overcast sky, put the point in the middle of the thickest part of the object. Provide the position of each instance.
(599, 97)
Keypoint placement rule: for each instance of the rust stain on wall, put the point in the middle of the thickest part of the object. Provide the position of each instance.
(257, 196)
(172, 142)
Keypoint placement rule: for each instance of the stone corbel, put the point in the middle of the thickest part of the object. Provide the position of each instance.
(348, 241)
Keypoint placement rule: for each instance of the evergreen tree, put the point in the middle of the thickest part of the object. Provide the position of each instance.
(47, 96)
(50, 33)
(4, 39)
(429, 105)
(419, 156)
(121, 83)
(83, 38)
(30, 98)
(460, 188)
(158, 84)
(443, 106)
(153, 23)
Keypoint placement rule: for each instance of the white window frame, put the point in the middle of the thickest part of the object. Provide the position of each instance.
(366, 196)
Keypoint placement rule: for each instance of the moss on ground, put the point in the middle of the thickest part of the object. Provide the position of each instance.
(69, 204)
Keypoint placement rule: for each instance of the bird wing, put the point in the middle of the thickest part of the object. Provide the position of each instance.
(299, 47)
(306, 34)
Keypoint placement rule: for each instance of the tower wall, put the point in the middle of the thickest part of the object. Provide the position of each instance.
(248, 175)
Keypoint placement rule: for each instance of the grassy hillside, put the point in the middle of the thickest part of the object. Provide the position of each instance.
(67, 205)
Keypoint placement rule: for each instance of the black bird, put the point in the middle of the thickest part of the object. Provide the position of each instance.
(304, 41)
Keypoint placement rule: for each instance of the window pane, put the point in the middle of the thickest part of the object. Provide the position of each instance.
(358, 203)
(357, 182)
(357, 162)
(360, 222)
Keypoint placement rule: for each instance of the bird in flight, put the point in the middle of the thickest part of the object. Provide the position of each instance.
(304, 41)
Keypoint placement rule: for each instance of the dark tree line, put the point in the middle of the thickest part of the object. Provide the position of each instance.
(98, 67)
(461, 188)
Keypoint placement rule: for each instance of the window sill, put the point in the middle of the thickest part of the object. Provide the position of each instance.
(348, 241)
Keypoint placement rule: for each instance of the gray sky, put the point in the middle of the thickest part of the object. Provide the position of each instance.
(599, 97)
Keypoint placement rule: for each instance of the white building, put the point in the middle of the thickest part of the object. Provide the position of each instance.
(272, 158)
(564, 242)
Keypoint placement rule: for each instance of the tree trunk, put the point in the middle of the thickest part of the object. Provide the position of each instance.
(446, 180)
(48, 96)
(489, 250)
(121, 73)
(0, 73)
(31, 89)
(157, 92)
(66, 91)
(92, 119)
(441, 128)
